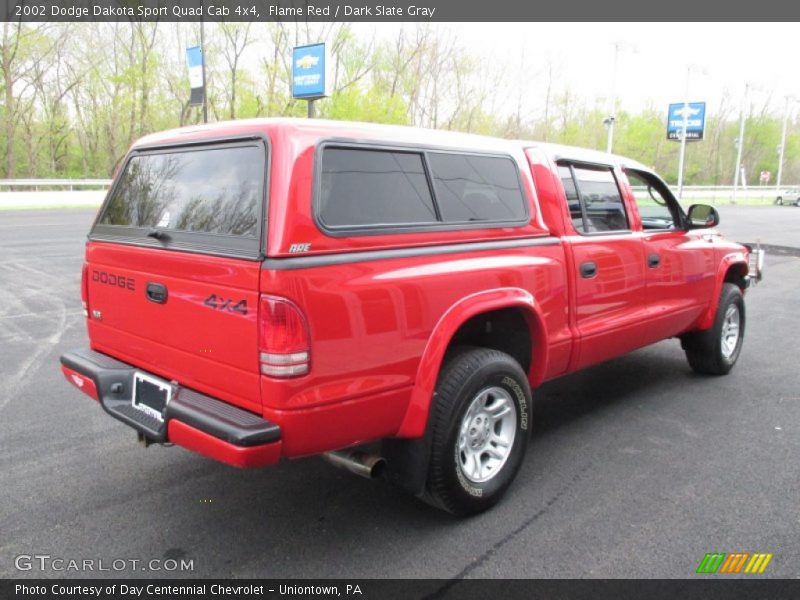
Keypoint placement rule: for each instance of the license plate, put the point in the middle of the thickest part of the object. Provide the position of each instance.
(151, 394)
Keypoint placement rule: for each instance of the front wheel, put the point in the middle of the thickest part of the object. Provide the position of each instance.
(479, 430)
(715, 351)
(779, 201)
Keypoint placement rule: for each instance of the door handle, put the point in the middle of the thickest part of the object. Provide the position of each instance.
(653, 260)
(157, 292)
(588, 270)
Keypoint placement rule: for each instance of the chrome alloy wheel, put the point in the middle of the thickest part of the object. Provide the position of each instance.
(486, 434)
(730, 331)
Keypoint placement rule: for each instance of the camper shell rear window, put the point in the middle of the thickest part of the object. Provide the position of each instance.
(203, 198)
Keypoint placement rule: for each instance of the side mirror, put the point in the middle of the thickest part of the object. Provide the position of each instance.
(703, 216)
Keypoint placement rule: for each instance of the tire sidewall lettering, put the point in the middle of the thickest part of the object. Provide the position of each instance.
(522, 401)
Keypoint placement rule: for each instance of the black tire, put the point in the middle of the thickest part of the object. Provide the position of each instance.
(704, 349)
(466, 376)
(797, 202)
(779, 201)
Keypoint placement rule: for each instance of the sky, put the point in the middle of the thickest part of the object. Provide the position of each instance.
(652, 61)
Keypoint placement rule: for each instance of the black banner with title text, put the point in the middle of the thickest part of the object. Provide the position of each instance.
(405, 589)
(394, 11)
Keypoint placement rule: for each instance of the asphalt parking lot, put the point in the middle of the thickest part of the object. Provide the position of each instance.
(636, 468)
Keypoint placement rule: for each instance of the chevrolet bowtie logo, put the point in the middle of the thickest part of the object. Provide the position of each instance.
(307, 61)
(687, 111)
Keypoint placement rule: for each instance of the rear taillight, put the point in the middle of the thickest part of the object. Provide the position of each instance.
(284, 349)
(85, 289)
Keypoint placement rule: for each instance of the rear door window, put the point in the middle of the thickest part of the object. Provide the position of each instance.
(198, 196)
(573, 200)
(600, 207)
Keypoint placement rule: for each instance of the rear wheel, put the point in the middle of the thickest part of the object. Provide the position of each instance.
(779, 201)
(797, 202)
(479, 430)
(715, 351)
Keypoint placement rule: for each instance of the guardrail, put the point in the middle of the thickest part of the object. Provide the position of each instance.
(50, 184)
(718, 194)
(756, 190)
(50, 193)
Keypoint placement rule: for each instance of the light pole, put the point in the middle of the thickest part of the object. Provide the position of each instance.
(782, 147)
(612, 109)
(740, 143)
(684, 126)
(203, 57)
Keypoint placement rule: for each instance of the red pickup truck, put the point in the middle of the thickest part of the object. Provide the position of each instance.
(385, 296)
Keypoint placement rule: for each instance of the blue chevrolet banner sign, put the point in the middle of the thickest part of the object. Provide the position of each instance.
(695, 113)
(309, 79)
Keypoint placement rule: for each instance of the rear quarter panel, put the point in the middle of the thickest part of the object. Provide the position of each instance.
(371, 323)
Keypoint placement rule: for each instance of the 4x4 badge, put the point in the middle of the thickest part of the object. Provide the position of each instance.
(227, 304)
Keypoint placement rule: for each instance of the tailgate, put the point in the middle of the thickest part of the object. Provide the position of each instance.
(173, 266)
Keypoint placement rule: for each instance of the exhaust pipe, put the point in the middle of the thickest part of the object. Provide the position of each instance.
(358, 462)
